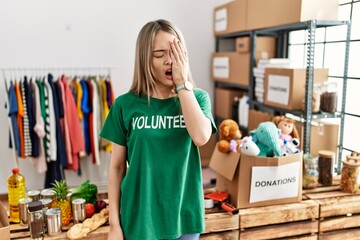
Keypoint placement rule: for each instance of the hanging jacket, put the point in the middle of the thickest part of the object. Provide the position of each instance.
(60, 145)
(76, 137)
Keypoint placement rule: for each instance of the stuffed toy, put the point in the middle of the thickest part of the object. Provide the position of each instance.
(248, 147)
(230, 135)
(266, 137)
(289, 147)
(287, 127)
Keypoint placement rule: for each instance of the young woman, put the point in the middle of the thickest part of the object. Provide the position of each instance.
(156, 129)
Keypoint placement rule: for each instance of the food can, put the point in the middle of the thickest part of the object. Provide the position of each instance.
(78, 210)
(47, 193)
(53, 221)
(23, 210)
(34, 195)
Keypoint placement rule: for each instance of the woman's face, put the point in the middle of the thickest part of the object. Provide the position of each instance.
(161, 61)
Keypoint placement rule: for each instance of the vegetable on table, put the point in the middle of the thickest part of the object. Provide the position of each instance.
(86, 190)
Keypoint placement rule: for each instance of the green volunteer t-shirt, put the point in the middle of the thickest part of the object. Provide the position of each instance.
(162, 194)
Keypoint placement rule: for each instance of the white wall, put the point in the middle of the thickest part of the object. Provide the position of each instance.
(90, 33)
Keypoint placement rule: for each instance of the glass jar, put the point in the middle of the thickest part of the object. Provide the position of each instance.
(316, 97)
(328, 99)
(310, 177)
(36, 220)
(350, 178)
(326, 163)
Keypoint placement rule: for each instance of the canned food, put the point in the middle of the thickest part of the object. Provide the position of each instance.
(23, 210)
(47, 193)
(78, 210)
(47, 202)
(34, 195)
(53, 221)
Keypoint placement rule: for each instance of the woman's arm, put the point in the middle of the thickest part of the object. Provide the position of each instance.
(197, 124)
(117, 172)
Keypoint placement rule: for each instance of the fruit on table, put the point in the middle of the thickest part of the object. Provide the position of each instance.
(89, 210)
(61, 201)
(100, 205)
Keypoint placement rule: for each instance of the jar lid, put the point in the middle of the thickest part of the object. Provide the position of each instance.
(35, 206)
(25, 200)
(33, 192)
(53, 211)
(353, 161)
(45, 201)
(326, 153)
(78, 201)
(47, 192)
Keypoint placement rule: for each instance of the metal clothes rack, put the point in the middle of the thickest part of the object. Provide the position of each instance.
(18, 72)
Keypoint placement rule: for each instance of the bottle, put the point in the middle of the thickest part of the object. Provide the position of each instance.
(16, 191)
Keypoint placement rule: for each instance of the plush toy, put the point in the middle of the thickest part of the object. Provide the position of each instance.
(248, 147)
(289, 147)
(287, 127)
(230, 135)
(266, 137)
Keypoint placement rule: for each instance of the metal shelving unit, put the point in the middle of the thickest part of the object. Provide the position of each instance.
(282, 35)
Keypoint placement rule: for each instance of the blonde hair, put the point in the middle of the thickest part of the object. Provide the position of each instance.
(144, 81)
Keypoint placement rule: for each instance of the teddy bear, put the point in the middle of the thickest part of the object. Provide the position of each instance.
(229, 136)
(287, 127)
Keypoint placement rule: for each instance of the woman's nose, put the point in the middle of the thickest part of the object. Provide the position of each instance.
(168, 60)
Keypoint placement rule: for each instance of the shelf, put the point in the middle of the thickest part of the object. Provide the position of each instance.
(301, 26)
(287, 27)
(282, 35)
(298, 113)
(232, 86)
(233, 35)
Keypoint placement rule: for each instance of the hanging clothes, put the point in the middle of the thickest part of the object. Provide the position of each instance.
(21, 151)
(31, 111)
(39, 128)
(60, 145)
(86, 112)
(13, 111)
(65, 130)
(51, 119)
(76, 137)
(96, 127)
(26, 124)
(44, 113)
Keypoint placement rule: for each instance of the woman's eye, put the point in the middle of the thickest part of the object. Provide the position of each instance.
(159, 55)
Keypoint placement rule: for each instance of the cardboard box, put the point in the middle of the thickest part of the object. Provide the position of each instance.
(231, 67)
(224, 99)
(207, 150)
(257, 117)
(230, 17)
(285, 87)
(265, 46)
(269, 13)
(324, 136)
(4, 223)
(258, 181)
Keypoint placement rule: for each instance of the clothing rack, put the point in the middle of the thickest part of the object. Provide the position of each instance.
(18, 72)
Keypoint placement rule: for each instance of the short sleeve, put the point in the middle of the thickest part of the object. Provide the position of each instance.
(113, 128)
(203, 99)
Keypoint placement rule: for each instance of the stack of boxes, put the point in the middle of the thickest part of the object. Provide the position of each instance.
(239, 174)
